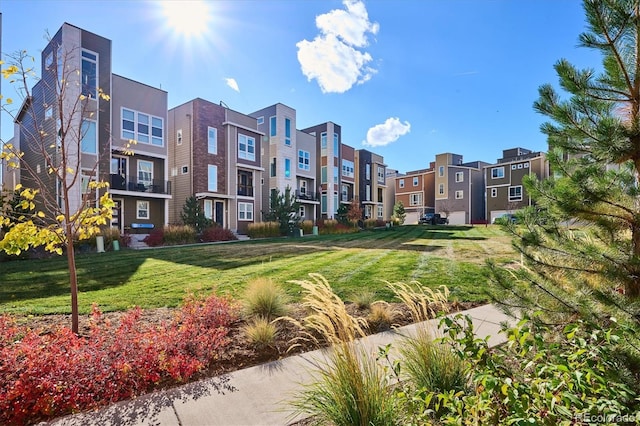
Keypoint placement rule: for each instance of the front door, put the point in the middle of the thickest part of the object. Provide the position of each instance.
(116, 214)
(219, 217)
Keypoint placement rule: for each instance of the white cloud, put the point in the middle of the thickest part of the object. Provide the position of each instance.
(231, 82)
(387, 132)
(333, 57)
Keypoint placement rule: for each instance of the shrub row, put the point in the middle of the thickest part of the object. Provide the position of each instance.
(264, 230)
(43, 375)
(185, 234)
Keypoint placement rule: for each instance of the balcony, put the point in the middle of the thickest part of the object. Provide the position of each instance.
(245, 190)
(156, 186)
(306, 195)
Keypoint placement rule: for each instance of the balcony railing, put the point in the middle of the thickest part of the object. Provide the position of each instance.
(156, 186)
(245, 190)
(306, 195)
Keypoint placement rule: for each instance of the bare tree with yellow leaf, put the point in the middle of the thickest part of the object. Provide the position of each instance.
(55, 155)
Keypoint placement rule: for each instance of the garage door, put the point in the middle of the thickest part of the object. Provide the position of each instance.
(496, 214)
(457, 218)
(411, 218)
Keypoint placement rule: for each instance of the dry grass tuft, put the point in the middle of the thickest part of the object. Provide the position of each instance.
(422, 302)
(381, 317)
(364, 299)
(264, 298)
(261, 332)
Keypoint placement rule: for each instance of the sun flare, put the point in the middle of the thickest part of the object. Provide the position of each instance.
(186, 17)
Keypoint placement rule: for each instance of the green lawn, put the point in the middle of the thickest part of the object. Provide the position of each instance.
(433, 255)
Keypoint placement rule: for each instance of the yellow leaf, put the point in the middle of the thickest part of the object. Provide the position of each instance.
(9, 101)
(40, 214)
(18, 186)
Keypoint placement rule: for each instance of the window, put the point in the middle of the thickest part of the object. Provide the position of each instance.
(212, 178)
(185, 170)
(246, 147)
(381, 174)
(85, 178)
(302, 212)
(287, 168)
(304, 160)
(273, 167)
(515, 193)
(497, 173)
(415, 199)
(212, 140)
(335, 174)
(367, 171)
(348, 168)
(415, 181)
(367, 193)
(145, 172)
(323, 174)
(260, 120)
(459, 176)
(441, 189)
(303, 187)
(142, 209)
(323, 203)
(272, 126)
(494, 192)
(143, 128)
(89, 144)
(48, 60)
(179, 137)
(174, 171)
(401, 183)
(323, 143)
(335, 202)
(441, 171)
(380, 212)
(459, 195)
(336, 145)
(520, 165)
(344, 193)
(48, 113)
(245, 183)
(245, 211)
(208, 209)
(89, 74)
(287, 131)
(526, 165)
(513, 167)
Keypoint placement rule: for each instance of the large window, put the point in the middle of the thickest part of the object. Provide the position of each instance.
(348, 168)
(335, 174)
(344, 193)
(381, 174)
(323, 203)
(245, 211)
(142, 209)
(323, 143)
(497, 173)
(415, 199)
(89, 143)
(272, 167)
(141, 127)
(287, 131)
(212, 178)
(246, 147)
(459, 176)
(208, 209)
(441, 171)
(145, 172)
(515, 193)
(323, 174)
(367, 171)
(304, 160)
(367, 193)
(336, 145)
(380, 212)
(212, 140)
(89, 74)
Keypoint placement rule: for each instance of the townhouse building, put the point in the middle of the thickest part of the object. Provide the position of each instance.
(328, 161)
(503, 180)
(347, 174)
(416, 191)
(98, 132)
(459, 194)
(371, 183)
(290, 157)
(215, 156)
(390, 190)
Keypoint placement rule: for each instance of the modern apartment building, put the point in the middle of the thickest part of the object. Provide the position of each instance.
(329, 162)
(215, 156)
(289, 155)
(416, 191)
(503, 180)
(347, 174)
(97, 131)
(459, 194)
(371, 184)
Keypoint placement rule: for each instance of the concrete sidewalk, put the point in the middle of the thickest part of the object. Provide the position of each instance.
(253, 396)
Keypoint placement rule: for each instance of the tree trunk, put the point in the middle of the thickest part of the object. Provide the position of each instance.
(73, 280)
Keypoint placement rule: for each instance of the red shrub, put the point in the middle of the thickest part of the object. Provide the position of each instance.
(217, 234)
(155, 238)
(43, 375)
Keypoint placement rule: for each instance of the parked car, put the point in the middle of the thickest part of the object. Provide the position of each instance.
(433, 219)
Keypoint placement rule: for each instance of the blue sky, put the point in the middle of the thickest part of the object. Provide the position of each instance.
(407, 79)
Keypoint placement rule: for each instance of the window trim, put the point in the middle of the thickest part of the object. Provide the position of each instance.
(212, 144)
(400, 183)
(138, 163)
(305, 156)
(250, 141)
(461, 175)
(247, 210)
(179, 137)
(84, 131)
(140, 203)
(459, 194)
(212, 168)
(494, 192)
(440, 171)
(416, 181)
(499, 172)
(149, 135)
(415, 199)
(515, 197)
(441, 189)
(287, 131)
(207, 209)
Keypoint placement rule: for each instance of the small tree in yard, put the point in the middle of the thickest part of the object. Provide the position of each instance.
(64, 204)
(284, 209)
(355, 211)
(342, 215)
(193, 215)
(399, 214)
